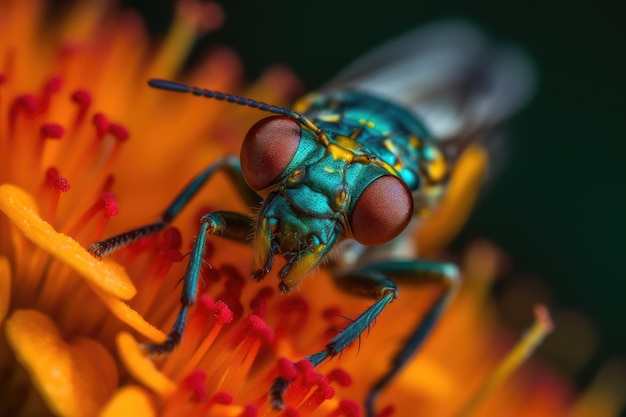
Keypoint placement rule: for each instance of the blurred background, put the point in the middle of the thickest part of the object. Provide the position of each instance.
(557, 204)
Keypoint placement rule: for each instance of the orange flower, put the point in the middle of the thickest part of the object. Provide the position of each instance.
(81, 139)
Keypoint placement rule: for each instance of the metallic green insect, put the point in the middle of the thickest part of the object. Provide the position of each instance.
(357, 164)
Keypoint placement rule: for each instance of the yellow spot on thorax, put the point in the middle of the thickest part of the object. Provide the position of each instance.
(367, 123)
(331, 118)
(436, 165)
(339, 153)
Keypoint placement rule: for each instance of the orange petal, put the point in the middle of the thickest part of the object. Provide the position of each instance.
(74, 379)
(129, 401)
(5, 287)
(106, 275)
(141, 367)
(125, 313)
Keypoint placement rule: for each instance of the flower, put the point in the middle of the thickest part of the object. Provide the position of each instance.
(86, 150)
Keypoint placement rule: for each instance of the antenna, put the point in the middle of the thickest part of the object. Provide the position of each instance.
(243, 101)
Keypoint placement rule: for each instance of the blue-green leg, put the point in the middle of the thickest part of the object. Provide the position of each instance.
(378, 281)
(229, 165)
(227, 224)
(234, 226)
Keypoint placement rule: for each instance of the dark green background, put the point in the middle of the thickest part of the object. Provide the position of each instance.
(557, 205)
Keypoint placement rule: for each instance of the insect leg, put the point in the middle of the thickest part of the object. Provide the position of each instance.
(229, 165)
(413, 272)
(375, 281)
(227, 224)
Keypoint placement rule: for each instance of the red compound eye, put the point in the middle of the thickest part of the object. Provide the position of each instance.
(382, 212)
(267, 150)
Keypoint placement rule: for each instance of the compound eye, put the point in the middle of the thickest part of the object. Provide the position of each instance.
(383, 210)
(267, 150)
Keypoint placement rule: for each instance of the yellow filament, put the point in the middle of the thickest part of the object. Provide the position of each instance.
(524, 348)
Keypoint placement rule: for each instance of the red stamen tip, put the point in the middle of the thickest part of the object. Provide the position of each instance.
(543, 315)
(172, 238)
(341, 377)
(26, 104)
(223, 313)
(61, 185)
(223, 398)
(217, 308)
(308, 374)
(286, 369)
(250, 411)
(327, 391)
(52, 131)
(119, 131)
(194, 382)
(53, 85)
(3, 78)
(110, 204)
(350, 408)
(52, 174)
(101, 123)
(257, 327)
(83, 99)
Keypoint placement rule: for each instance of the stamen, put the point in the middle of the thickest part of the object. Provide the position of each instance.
(348, 408)
(191, 16)
(107, 205)
(101, 123)
(61, 185)
(50, 177)
(525, 347)
(249, 411)
(52, 86)
(223, 316)
(194, 383)
(286, 369)
(322, 393)
(164, 251)
(47, 131)
(233, 288)
(83, 99)
(248, 342)
(301, 385)
(340, 376)
(25, 104)
(220, 398)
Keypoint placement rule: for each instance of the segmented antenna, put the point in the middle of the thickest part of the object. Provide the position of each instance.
(243, 101)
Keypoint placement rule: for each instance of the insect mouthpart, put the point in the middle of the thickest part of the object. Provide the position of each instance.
(303, 241)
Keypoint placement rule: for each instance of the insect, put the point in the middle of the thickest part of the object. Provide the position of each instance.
(356, 163)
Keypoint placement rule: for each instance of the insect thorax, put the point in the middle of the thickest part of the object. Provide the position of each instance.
(389, 131)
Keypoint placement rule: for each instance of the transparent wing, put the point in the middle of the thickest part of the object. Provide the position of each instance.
(449, 74)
